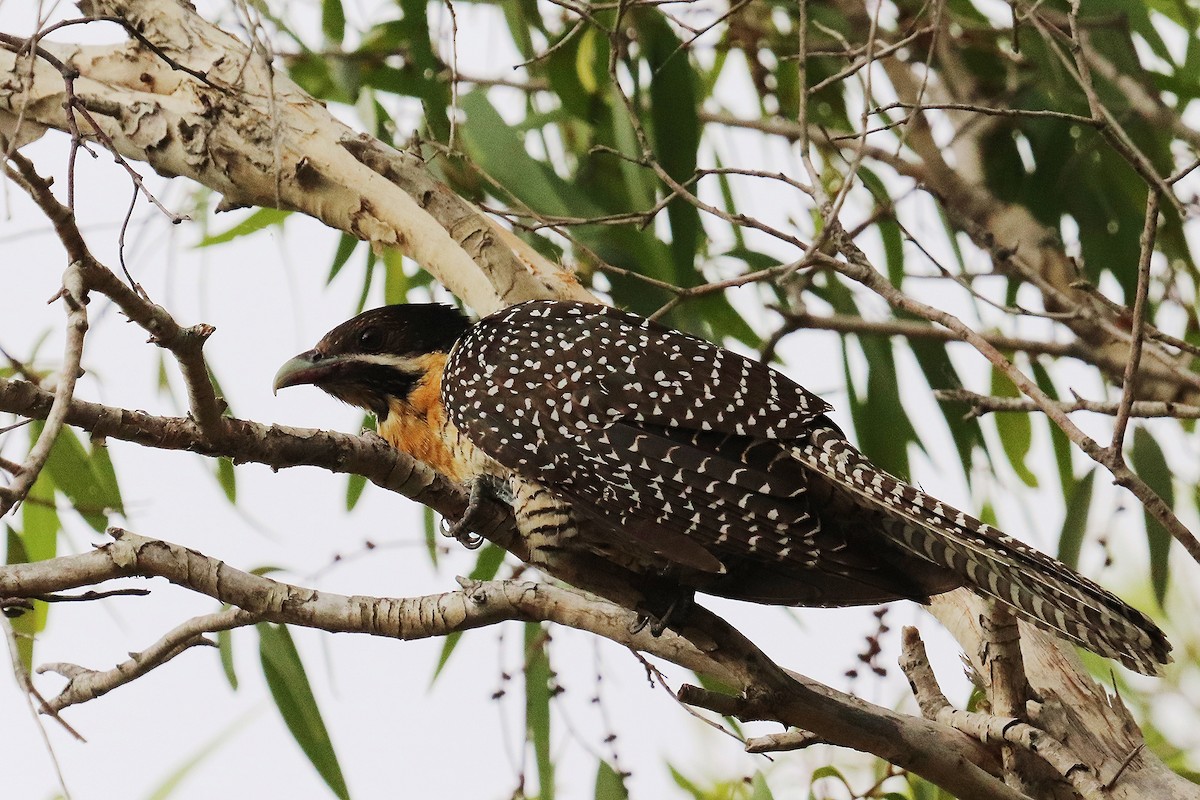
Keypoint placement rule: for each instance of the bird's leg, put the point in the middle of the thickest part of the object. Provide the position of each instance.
(663, 606)
(482, 488)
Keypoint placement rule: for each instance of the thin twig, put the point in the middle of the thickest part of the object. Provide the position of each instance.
(1129, 383)
(186, 344)
(987, 404)
(74, 297)
(85, 684)
(31, 694)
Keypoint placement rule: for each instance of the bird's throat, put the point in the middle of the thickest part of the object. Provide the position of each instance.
(418, 425)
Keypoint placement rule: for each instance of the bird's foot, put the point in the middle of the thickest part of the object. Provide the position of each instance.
(675, 604)
(463, 528)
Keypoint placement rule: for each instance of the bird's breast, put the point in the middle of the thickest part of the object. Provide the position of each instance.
(418, 425)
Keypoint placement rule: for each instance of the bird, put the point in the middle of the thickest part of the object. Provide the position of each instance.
(630, 451)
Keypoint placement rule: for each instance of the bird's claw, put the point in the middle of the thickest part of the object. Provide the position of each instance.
(675, 611)
(461, 529)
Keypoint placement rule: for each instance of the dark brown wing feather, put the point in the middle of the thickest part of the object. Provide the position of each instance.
(622, 430)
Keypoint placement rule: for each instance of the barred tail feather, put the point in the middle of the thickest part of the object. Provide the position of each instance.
(1037, 587)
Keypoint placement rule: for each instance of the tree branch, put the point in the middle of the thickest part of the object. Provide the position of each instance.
(212, 131)
(986, 727)
(74, 296)
(986, 404)
(939, 754)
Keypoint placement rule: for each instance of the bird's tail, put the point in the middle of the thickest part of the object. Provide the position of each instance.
(1037, 587)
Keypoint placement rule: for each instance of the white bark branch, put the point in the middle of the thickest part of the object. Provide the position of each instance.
(250, 133)
(708, 645)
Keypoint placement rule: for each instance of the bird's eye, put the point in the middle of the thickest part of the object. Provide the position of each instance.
(369, 339)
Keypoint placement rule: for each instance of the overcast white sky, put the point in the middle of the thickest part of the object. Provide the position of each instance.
(395, 736)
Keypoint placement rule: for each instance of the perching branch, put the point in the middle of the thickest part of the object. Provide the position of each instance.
(932, 750)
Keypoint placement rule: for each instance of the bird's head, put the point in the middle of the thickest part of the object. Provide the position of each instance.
(380, 355)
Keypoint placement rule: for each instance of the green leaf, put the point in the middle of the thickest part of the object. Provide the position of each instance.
(487, 564)
(431, 534)
(368, 279)
(395, 282)
(355, 485)
(1015, 429)
(262, 218)
(889, 229)
(501, 153)
(26, 625)
(883, 428)
(675, 129)
(759, 788)
(610, 785)
(424, 63)
(39, 520)
(939, 373)
(347, 244)
(537, 705)
(1079, 502)
(829, 771)
(333, 21)
(1151, 466)
(688, 786)
(227, 478)
(296, 703)
(591, 60)
(1062, 445)
(225, 648)
(86, 478)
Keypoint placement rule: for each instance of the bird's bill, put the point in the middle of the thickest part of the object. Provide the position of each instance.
(304, 368)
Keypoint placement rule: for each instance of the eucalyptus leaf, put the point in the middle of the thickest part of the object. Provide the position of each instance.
(297, 705)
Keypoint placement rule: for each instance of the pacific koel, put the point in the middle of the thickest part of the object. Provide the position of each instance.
(639, 455)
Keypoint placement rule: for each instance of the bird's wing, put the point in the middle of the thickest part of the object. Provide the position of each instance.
(597, 360)
(650, 429)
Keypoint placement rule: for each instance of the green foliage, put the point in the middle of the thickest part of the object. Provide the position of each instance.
(610, 785)
(1079, 502)
(1152, 467)
(85, 476)
(255, 222)
(611, 121)
(26, 625)
(753, 788)
(297, 705)
(1016, 430)
(538, 692)
(225, 649)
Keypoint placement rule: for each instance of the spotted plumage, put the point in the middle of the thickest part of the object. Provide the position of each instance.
(677, 461)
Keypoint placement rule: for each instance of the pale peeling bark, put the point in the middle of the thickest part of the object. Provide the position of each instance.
(251, 134)
(1074, 711)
